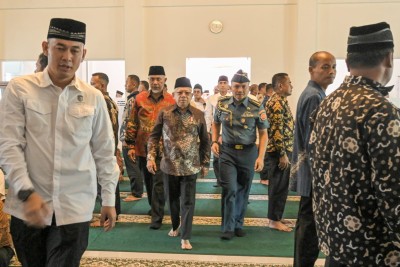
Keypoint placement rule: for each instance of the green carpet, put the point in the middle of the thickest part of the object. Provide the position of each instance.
(210, 207)
(260, 241)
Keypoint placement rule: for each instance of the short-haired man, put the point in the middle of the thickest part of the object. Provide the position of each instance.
(223, 85)
(56, 141)
(322, 69)
(132, 168)
(143, 86)
(241, 117)
(100, 81)
(186, 149)
(197, 97)
(41, 62)
(355, 155)
(279, 149)
(138, 129)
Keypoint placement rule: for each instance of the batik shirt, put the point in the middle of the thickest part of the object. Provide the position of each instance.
(5, 237)
(355, 160)
(125, 116)
(280, 134)
(112, 109)
(143, 118)
(180, 132)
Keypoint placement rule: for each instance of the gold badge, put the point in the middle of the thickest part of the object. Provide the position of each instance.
(245, 126)
(226, 106)
(248, 108)
(243, 120)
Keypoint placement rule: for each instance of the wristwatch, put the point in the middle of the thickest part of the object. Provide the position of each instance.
(24, 194)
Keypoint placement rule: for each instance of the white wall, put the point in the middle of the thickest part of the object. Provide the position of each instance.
(278, 35)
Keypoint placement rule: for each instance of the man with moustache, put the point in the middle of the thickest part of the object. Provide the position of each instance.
(240, 116)
(186, 148)
(279, 149)
(56, 142)
(322, 69)
(138, 129)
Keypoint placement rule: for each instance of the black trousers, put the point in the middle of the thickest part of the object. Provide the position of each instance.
(278, 187)
(134, 174)
(51, 246)
(117, 198)
(182, 197)
(216, 169)
(6, 254)
(155, 189)
(305, 237)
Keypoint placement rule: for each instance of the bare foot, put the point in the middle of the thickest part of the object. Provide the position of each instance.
(277, 225)
(185, 244)
(131, 198)
(174, 233)
(287, 222)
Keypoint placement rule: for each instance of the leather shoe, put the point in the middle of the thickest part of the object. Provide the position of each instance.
(228, 235)
(239, 232)
(155, 225)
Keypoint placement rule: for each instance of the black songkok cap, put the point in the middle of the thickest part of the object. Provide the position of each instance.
(67, 29)
(222, 78)
(182, 82)
(240, 77)
(370, 37)
(156, 70)
(198, 86)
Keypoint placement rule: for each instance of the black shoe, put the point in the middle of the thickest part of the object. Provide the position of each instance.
(228, 235)
(239, 232)
(155, 226)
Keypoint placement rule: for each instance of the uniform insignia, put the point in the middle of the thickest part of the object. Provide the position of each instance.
(245, 126)
(243, 120)
(263, 115)
(248, 108)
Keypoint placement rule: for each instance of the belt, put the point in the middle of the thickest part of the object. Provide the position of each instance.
(237, 146)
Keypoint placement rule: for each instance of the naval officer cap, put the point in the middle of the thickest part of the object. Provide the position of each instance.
(370, 37)
(67, 29)
(182, 82)
(156, 70)
(240, 77)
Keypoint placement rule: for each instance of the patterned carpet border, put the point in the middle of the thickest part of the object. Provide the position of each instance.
(118, 262)
(197, 220)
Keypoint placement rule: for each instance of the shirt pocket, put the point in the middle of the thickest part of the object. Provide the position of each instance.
(38, 115)
(80, 118)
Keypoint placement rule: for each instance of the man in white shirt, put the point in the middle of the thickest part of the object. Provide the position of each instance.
(212, 101)
(198, 100)
(55, 139)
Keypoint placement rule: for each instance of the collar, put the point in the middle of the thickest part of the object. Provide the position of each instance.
(245, 101)
(366, 81)
(189, 109)
(46, 81)
(133, 94)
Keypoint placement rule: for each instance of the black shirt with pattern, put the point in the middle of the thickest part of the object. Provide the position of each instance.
(183, 154)
(355, 158)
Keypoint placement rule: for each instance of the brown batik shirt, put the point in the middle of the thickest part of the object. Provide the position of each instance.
(186, 145)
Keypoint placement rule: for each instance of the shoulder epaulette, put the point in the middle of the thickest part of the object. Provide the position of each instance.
(254, 102)
(223, 98)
